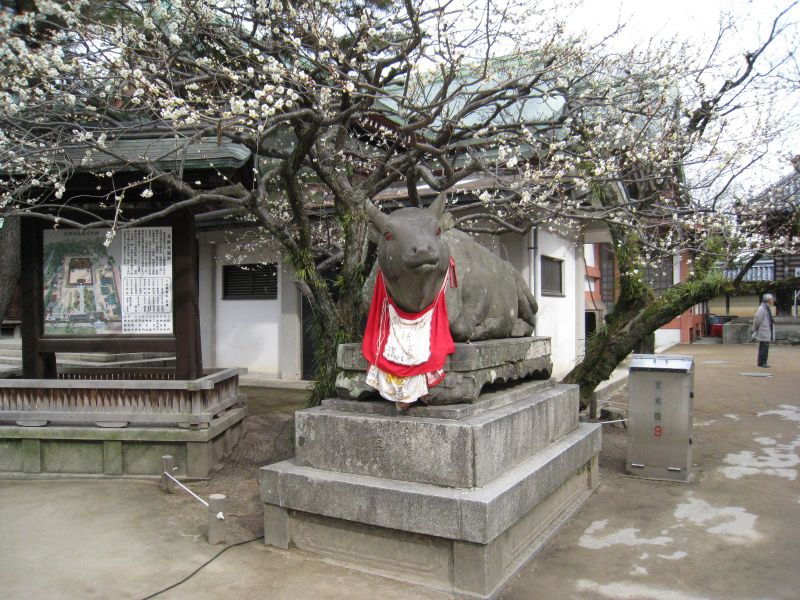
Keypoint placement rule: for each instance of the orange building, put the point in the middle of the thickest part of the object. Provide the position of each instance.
(602, 290)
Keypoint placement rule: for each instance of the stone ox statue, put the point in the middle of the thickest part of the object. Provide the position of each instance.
(490, 300)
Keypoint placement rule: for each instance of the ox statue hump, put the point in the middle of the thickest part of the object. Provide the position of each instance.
(488, 298)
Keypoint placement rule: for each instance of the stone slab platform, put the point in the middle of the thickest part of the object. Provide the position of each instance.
(476, 515)
(467, 356)
(132, 451)
(490, 400)
(463, 446)
(471, 367)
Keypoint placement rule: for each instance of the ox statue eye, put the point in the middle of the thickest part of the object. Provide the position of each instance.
(387, 235)
(439, 231)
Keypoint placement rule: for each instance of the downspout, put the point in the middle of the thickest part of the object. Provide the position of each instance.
(580, 297)
(534, 250)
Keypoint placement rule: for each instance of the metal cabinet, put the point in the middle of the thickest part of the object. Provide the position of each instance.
(660, 405)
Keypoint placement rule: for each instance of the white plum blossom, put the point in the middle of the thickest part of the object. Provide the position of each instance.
(539, 127)
(237, 106)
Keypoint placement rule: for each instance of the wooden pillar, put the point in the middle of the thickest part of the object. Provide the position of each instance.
(35, 364)
(188, 355)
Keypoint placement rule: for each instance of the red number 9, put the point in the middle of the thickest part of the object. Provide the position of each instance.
(658, 430)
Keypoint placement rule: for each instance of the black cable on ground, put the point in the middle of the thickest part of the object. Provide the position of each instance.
(198, 569)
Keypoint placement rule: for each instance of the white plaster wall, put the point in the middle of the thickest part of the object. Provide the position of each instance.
(667, 337)
(558, 315)
(247, 331)
(676, 269)
(238, 333)
(588, 255)
(256, 334)
(207, 264)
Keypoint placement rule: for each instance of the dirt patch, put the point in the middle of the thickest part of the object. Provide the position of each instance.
(266, 440)
(614, 450)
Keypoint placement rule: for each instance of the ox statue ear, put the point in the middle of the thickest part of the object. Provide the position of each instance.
(446, 221)
(436, 208)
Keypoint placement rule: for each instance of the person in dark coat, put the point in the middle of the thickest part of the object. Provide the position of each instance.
(764, 329)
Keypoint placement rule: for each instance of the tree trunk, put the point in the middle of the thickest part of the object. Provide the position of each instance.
(343, 324)
(9, 260)
(337, 316)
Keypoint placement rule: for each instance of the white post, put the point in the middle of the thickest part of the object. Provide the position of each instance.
(216, 519)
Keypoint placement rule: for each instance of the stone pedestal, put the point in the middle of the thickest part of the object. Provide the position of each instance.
(471, 367)
(455, 497)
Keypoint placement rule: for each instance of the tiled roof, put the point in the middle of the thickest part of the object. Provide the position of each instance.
(165, 153)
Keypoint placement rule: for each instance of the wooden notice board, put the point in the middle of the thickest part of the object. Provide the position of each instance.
(156, 312)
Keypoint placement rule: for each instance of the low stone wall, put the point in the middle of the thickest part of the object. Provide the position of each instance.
(736, 332)
(97, 424)
(740, 331)
(129, 452)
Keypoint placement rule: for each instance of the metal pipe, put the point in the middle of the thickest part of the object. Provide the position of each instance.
(186, 488)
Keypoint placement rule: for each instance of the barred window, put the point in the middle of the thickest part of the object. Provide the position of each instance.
(659, 277)
(254, 281)
(552, 276)
(607, 291)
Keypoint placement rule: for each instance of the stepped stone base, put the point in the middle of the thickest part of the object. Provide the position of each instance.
(452, 497)
(460, 446)
(469, 569)
(471, 367)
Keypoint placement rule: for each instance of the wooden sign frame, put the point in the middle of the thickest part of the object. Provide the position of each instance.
(38, 349)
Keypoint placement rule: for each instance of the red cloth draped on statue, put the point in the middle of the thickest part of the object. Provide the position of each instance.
(376, 334)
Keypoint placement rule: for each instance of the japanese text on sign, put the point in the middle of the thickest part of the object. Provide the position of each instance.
(657, 414)
(147, 280)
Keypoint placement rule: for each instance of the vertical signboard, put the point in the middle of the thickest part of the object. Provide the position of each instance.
(147, 280)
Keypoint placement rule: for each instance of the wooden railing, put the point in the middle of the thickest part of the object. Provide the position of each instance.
(144, 397)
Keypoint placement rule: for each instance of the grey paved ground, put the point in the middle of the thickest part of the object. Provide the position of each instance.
(732, 534)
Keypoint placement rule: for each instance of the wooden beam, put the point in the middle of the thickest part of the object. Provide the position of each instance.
(186, 296)
(107, 343)
(36, 364)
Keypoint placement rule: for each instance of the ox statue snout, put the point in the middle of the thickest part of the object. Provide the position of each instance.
(421, 259)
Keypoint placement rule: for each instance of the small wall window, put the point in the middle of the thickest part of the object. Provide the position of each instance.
(607, 291)
(255, 281)
(659, 277)
(552, 276)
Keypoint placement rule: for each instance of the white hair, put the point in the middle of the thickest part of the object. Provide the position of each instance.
(766, 297)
